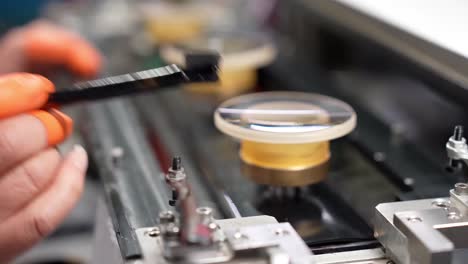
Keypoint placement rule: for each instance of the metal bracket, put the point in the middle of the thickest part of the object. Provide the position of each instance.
(425, 231)
(248, 239)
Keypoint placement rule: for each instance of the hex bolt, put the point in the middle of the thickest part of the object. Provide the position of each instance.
(461, 188)
(166, 217)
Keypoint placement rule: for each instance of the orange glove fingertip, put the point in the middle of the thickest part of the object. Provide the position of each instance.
(22, 92)
(44, 47)
(84, 60)
(58, 125)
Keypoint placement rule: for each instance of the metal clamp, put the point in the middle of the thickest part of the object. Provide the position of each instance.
(424, 231)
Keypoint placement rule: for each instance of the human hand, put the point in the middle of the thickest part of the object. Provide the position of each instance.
(42, 45)
(38, 187)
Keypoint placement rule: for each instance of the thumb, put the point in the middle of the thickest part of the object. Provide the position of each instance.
(23, 92)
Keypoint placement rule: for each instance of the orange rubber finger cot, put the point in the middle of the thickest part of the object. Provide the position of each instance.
(58, 125)
(23, 92)
(48, 44)
(83, 59)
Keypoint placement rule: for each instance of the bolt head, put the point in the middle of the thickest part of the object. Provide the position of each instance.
(453, 216)
(154, 232)
(441, 203)
(461, 188)
(281, 232)
(414, 219)
(205, 211)
(240, 236)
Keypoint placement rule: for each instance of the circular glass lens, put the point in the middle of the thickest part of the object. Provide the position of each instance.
(285, 117)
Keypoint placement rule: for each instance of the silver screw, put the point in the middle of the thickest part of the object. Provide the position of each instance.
(281, 232)
(441, 203)
(166, 217)
(453, 216)
(155, 232)
(240, 236)
(461, 188)
(414, 219)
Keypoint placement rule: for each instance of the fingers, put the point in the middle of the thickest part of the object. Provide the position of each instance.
(44, 44)
(12, 51)
(23, 136)
(20, 138)
(23, 92)
(27, 181)
(40, 217)
(83, 59)
(48, 44)
(58, 125)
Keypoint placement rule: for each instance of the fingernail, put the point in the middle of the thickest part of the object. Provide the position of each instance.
(34, 81)
(78, 157)
(58, 125)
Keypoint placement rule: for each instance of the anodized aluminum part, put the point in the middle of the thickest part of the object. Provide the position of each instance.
(429, 231)
(258, 239)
